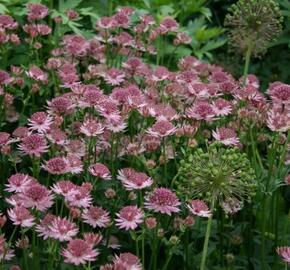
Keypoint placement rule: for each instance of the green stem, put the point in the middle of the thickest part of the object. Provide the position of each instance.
(247, 64)
(207, 235)
(167, 261)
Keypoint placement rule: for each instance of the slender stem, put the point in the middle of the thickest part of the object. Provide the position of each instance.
(247, 64)
(207, 235)
(167, 261)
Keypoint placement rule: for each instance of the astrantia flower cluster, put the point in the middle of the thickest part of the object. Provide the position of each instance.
(110, 157)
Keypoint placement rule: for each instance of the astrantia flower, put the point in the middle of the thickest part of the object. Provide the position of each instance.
(37, 196)
(60, 105)
(79, 252)
(114, 76)
(5, 253)
(75, 165)
(100, 170)
(96, 217)
(199, 208)
(201, 110)
(222, 107)
(43, 228)
(40, 122)
(36, 11)
(127, 261)
(280, 93)
(93, 239)
(228, 173)
(33, 145)
(18, 183)
(284, 253)
(19, 215)
(162, 128)
(162, 200)
(63, 229)
(57, 165)
(132, 179)
(129, 217)
(64, 187)
(231, 205)
(92, 128)
(227, 136)
(79, 198)
(278, 120)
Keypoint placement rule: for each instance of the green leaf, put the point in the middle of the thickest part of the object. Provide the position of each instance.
(3, 9)
(69, 4)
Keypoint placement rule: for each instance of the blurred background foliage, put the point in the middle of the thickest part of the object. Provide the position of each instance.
(203, 20)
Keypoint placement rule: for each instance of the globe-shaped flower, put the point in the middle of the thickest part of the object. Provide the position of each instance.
(218, 173)
(254, 24)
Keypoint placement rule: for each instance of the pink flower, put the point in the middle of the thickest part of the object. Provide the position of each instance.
(75, 164)
(93, 239)
(18, 183)
(227, 136)
(168, 25)
(8, 22)
(79, 198)
(222, 107)
(132, 179)
(56, 136)
(19, 215)
(76, 147)
(106, 22)
(201, 110)
(60, 105)
(278, 121)
(96, 217)
(162, 128)
(5, 253)
(76, 45)
(129, 217)
(4, 138)
(36, 11)
(231, 205)
(280, 93)
(40, 122)
(100, 170)
(162, 200)
(57, 165)
(43, 228)
(284, 253)
(114, 76)
(37, 196)
(79, 252)
(127, 261)
(33, 145)
(37, 74)
(199, 208)
(62, 229)
(64, 187)
(92, 128)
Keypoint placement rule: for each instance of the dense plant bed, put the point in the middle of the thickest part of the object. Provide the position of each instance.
(112, 160)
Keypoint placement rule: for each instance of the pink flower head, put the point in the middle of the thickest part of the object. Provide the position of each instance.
(20, 133)
(231, 205)
(18, 183)
(226, 135)
(114, 76)
(199, 208)
(40, 122)
(76, 147)
(57, 165)
(92, 128)
(168, 25)
(75, 164)
(19, 215)
(33, 145)
(62, 229)
(284, 253)
(60, 105)
(222, 107)
(37, 196)
(280, 93)
(36, 11)
(43, 228)
(4, 138)
(64, 187)
(93, 239)
(160, 74)
(79, 252)
(37, 74)
(81, 197)
(106, 23)
(129, 217)
(201, 110)
(132, 179)
(5, 253)
(56, 136)
(127, 261)
(76, 45)
(278, 121)
(162, 128)
(182, 38)
(7, 22)
(162, 200)
(100, 170)
(122, 19)
(96, 217)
